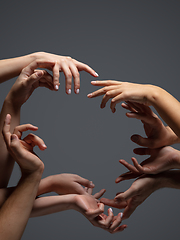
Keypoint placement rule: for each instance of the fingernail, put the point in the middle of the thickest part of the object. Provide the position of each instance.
(56, 87)
(43, 145)
(89, 95)
(93, 82)
(77, 91)
(111, 210)
(69, 91)
(97, 75)
(92, 184)
(121, 214)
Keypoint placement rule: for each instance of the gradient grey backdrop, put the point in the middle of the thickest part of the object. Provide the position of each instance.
(134, 41)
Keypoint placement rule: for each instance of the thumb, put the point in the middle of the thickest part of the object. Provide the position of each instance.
(15, 146)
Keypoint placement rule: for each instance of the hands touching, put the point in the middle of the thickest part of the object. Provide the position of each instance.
(94, 212)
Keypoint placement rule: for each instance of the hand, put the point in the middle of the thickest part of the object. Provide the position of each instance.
(22, 150)
(157, 134)
(69, 184)
(28, 81)
(121, 91)
(69, 66)
(141, 189)
(93, 211)
(160, 160)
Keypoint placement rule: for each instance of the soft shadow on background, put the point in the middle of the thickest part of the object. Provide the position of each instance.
(135, 41)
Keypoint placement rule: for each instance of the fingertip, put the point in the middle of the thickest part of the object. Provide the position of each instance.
(14, 137)
(89, 95)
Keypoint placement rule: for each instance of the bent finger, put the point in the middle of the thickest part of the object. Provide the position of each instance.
(35, 141)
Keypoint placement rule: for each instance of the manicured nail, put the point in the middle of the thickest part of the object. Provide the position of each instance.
(44, 145)
(111, 210)
(121, 214)
(69, 91)
(97, 75)
(77, 91)
(56, 87)
(89, 95)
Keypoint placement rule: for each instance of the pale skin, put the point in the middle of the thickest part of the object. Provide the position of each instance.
(12, 67)
(166, 105)
(27, 190)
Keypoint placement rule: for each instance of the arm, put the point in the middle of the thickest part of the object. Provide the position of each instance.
(10, 68)
(165, 104)
(20, 202)
(85, 204)
(19, 93)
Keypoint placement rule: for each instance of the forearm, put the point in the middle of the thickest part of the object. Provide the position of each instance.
(167, 106)
(10, 68)
(52, 204)
(6, 161)
(45, 185)
(15, 212)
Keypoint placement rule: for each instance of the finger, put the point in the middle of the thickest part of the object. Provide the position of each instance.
(90, 190)
(141, 141)
(29, 70)
(94, 213)
(68, 77)
(128, 107)
(6, 129)
(130, 167)
(137, 165)
(131, 207)
(109, 94)
(115, 101)
(142, 151)
(131, 192)
(22, 128)
(76, 77)
(84, 182)
(99, 194)
(105, 83)
(100, 92)
(15, 146)
(107, 222)
(34, 140)
(127, 176)
(56, 76)
(116, 222)
(85, 67)
(113, 203)
(120, 228)
(34, 78)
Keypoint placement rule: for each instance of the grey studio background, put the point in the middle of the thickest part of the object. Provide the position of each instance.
(135, 41)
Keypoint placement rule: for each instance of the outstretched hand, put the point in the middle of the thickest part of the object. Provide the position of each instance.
(157, 134)
(160, 160)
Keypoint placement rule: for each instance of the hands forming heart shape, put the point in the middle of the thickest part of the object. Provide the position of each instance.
(73, 191)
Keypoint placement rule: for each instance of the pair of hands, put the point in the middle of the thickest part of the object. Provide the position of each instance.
(162, 157)
(31, 78)
(22, 151)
